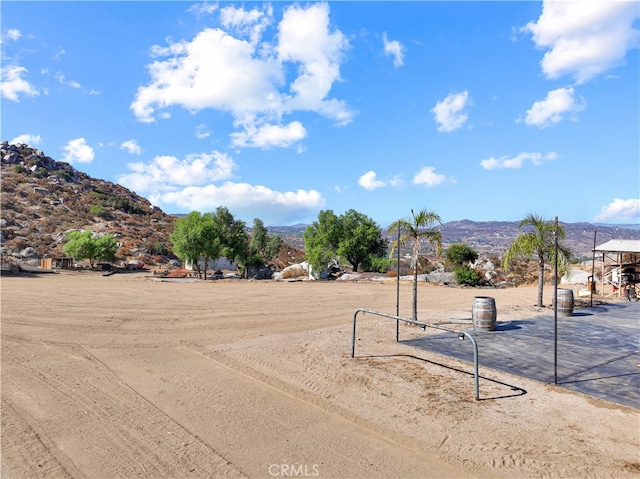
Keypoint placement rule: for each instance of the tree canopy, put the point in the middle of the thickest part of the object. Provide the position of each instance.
(353, 236)
(264, 246)
(193, 238)
(209, 236)
(86, 245)
(461, 253)
(539, 243)
(416, 229)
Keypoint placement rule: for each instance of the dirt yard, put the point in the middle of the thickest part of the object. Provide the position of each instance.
(126, 376)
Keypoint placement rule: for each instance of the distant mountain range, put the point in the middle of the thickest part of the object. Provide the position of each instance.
(493, 237)
(42, 198)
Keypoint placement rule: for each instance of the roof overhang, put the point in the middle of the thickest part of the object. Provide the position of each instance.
(619, 246)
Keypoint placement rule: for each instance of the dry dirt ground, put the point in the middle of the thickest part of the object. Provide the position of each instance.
(125, 376)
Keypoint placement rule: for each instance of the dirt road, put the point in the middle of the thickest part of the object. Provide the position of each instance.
(124, 376)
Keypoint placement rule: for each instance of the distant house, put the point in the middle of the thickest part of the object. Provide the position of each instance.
(218, 264)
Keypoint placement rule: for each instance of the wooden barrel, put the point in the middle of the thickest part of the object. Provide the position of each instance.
(565, 302)
(484, 313)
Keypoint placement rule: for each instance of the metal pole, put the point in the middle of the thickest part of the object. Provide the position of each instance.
(555, 309)
(475, 366)
(593, 267)
(398, 289)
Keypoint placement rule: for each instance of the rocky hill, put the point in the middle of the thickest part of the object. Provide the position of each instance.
(43, 198)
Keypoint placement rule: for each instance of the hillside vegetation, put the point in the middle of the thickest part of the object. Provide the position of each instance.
(42, 199)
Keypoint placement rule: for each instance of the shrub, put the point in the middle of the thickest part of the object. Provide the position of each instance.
(41, 172)
(377, 265)
(460, 253)
(64, 174)
(98, 210)
(161, 248)
(466, 275)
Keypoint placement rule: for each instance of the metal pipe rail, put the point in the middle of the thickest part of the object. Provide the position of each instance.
(461, 335)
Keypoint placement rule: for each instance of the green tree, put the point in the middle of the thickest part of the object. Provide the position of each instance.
(361, 242)
(263, 245)
(321, 241)
(539, 243)
(416, 229)
(352, 236)
(106, 247)
(232, 235)
(461, 253)
(84, 245)
(209, 236)
(194, 237)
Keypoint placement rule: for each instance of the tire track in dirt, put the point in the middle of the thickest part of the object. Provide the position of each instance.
(321, 380)
(302, 384)
(100, 425)
(257, 422)
(32, 449)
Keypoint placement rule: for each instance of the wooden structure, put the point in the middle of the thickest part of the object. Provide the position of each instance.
(56, 263)
(620, 264)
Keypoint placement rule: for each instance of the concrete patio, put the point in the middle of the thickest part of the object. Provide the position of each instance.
(598, 350)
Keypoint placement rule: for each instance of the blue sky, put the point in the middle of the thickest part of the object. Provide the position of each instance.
(475, 110)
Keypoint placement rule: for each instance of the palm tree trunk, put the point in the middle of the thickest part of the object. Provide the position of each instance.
(540, 279)
(414, 311)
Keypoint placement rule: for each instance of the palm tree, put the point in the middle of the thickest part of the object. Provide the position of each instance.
(539, 243)
(417, 228)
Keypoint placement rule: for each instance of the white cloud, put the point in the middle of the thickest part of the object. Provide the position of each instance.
(72, 83)
(165, 173)
(192, 184)
(13, 34)
(395, 49)
(267, 136)
(427, 176)
(214, 70)
(27, 139)
(552, 109)
(369, 182)
(202, 132)
(12, 84)
(305, 39)
(449, 113)
(249, 23)
(250, 201)
(248, 79)
(59, 54)
(516, 162)
(203, 8)
(620, 210)
(584, 39)
(131, 146)
(78, 151)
